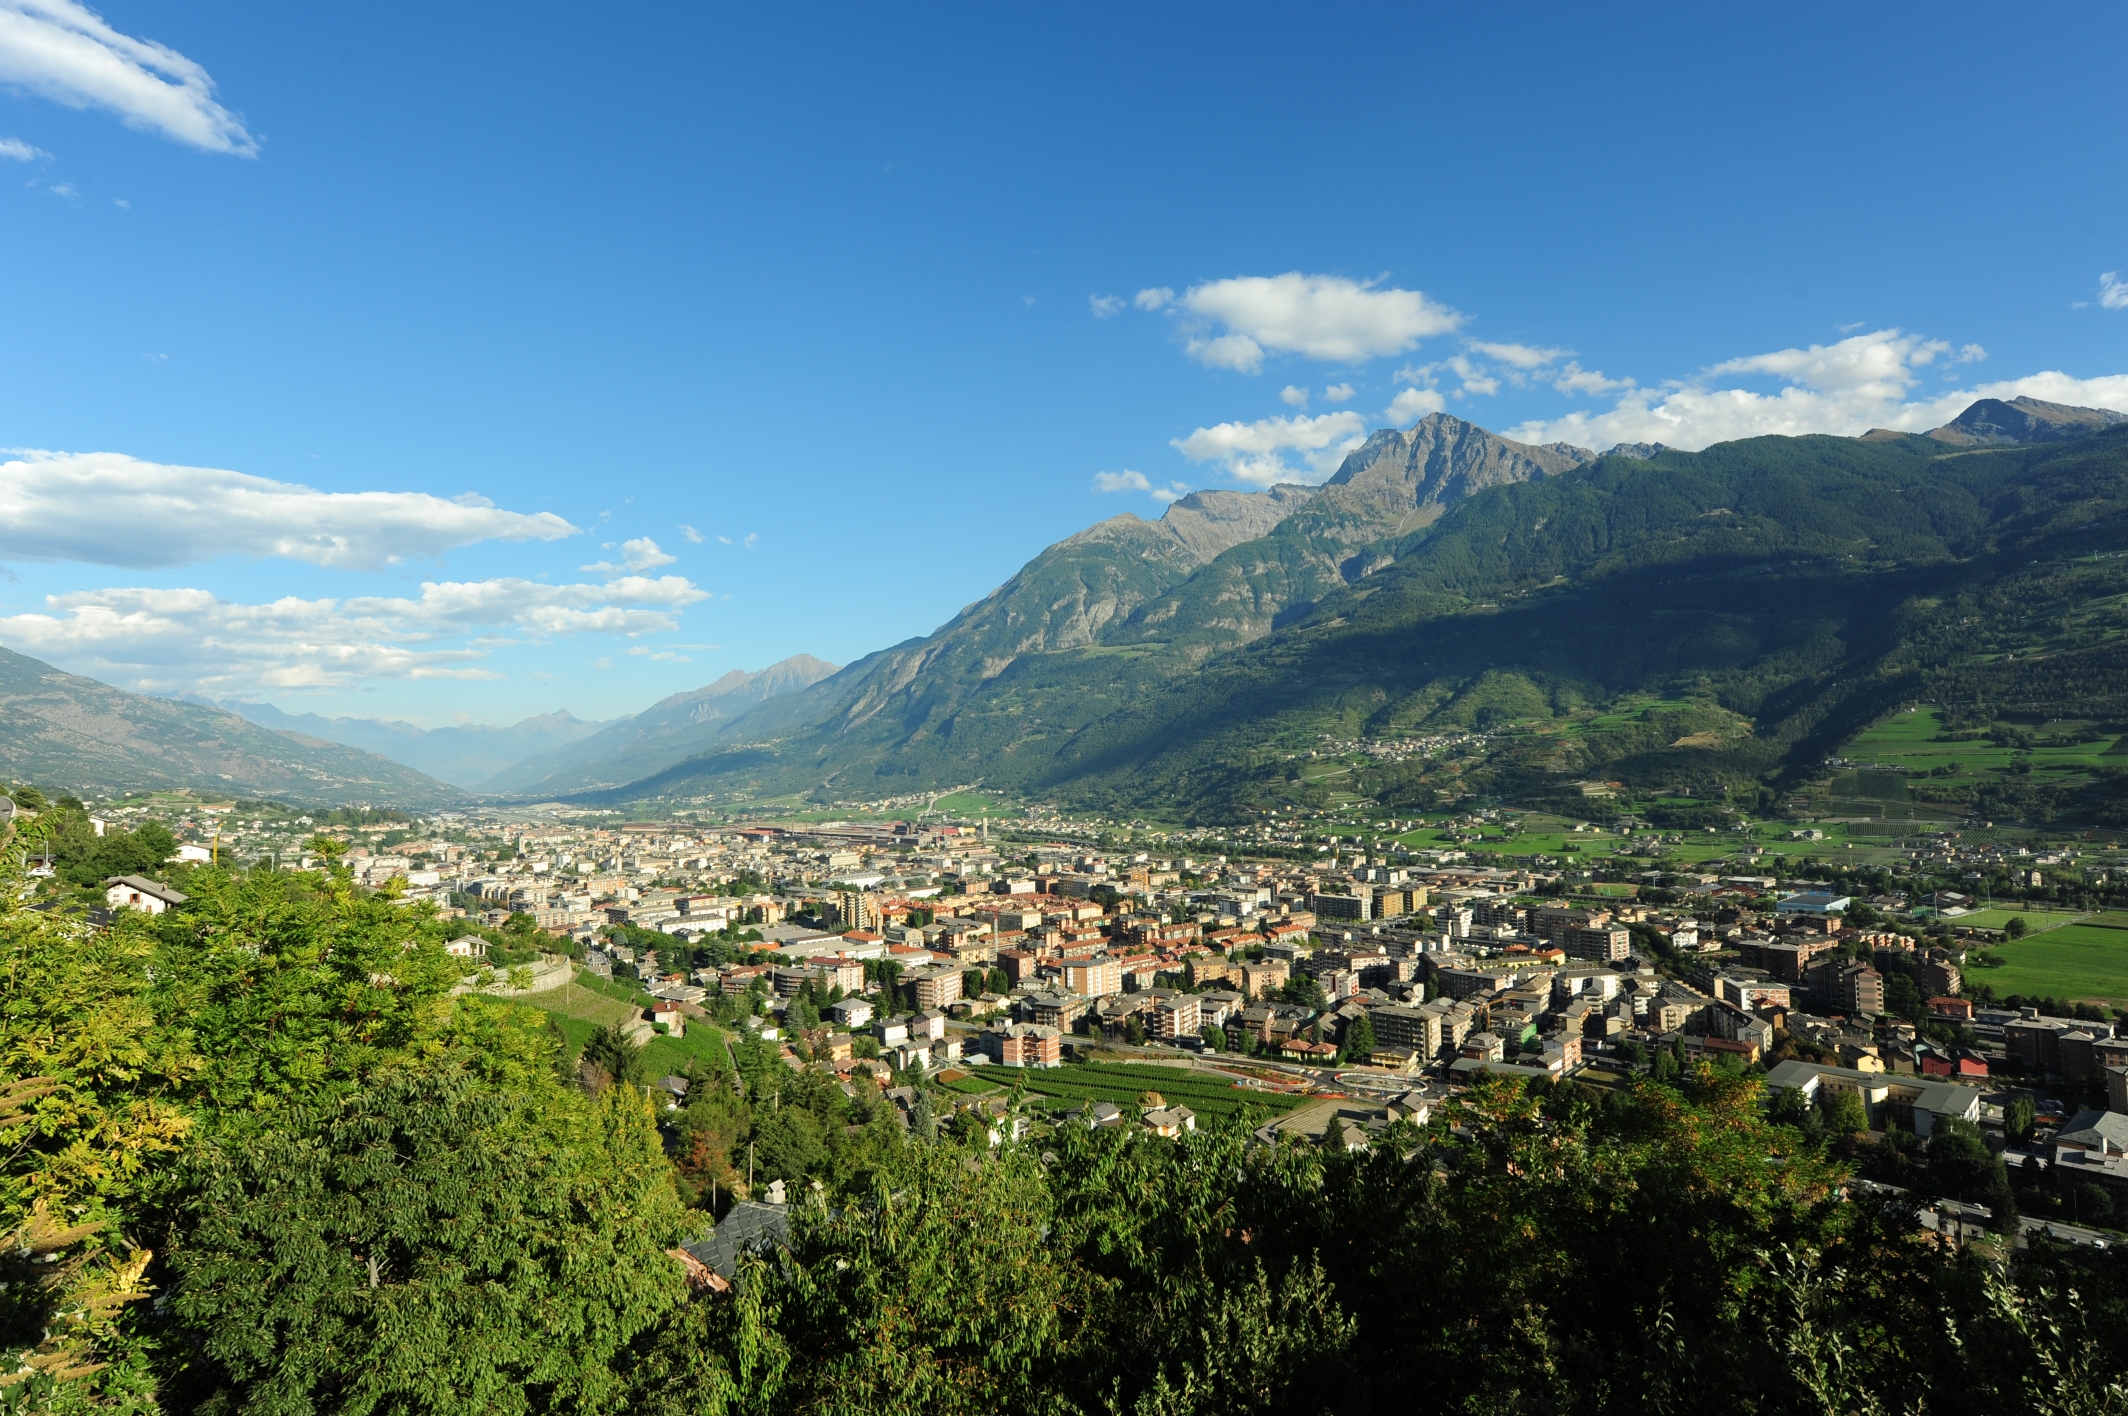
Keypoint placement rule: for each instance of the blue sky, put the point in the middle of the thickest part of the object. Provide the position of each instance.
(544, 357)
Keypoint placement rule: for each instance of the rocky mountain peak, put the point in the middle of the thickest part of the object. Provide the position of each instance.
(1993, 421)
(1996, 422)
(1209, 522)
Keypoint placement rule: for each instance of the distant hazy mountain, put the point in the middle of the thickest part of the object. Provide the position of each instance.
(667, 731)
(463, 756)
(59, 730)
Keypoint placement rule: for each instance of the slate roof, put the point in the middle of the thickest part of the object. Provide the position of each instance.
(2096, 1130)
(750, 1228)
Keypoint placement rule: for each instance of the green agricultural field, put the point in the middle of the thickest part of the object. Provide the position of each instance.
(702, 1044)
(592, 1000)
(1910, 740)
(2074, 961)
(579, 1009)
(1918, 755)
(1123, 1083)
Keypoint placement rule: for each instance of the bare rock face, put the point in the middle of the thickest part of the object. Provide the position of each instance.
(1992, 422)
(1399, 481)
(1207, 523)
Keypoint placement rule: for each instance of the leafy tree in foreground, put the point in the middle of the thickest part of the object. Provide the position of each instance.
(434, 1242)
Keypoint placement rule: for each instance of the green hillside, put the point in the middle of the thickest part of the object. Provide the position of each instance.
(1718, 621)
(1755, 605)
(1099, 622)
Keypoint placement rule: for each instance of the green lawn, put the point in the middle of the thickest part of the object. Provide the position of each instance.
(2036, 920)
(2076, 962)
(1124, 1082)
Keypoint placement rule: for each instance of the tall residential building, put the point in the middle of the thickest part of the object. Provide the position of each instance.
(1094, 977)
(1176, 1017)
(858, 909)
(930, 989)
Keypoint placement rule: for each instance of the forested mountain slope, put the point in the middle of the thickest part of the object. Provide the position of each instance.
(74, 733)
(1104, 618)
(1792, 588)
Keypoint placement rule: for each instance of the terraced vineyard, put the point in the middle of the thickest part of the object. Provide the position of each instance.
(1124, 1082)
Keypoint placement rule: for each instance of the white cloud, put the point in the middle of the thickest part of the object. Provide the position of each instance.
(1318, 316)
(110, 509)
(1293, 397)
(186, 638)
(1159, 297)
(1337, 393)
(1255, 452)
(639, 554)
(693, 536)
(16, 150)
(1228, 351)
(1129, 481)
(1846, 388)
(2112, 293)
(65, 52)
(1520, 356)
(1475, 378)
(1878, 365)
(1575, 379)
(1971, 354)
(1104, 305)
(1413, 404)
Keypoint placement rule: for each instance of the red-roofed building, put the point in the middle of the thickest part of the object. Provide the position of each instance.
(1963, 1063)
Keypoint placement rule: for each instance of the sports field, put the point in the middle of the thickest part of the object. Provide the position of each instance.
(1124, 1082)
(2079, 962)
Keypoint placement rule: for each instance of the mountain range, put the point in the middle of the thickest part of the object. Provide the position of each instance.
(1141, 663)
(668, 731)
(1444, 579)
(464, 756)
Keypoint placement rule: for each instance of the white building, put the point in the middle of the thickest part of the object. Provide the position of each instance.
(134, 892)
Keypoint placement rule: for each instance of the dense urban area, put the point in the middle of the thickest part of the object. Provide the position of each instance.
(808, 1007)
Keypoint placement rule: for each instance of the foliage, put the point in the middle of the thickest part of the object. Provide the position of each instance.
(348, 1188)
(435, 1241)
